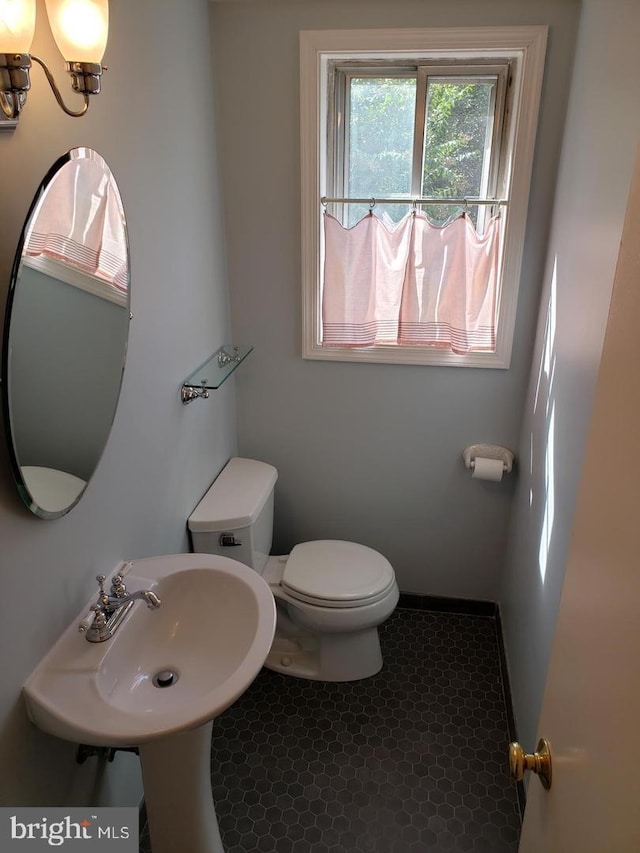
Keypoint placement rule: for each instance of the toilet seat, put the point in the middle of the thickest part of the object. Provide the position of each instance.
(334, 573)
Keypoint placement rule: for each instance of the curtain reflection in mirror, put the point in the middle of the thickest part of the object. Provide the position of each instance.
(79, 223)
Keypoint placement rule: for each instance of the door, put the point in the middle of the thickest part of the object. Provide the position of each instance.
(591, 707)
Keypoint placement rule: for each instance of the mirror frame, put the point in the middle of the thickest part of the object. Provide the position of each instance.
(21, 486)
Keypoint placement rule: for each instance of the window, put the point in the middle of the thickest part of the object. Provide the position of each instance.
(419, 131)
(396, 119)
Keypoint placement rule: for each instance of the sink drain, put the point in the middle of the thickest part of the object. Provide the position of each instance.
(164, 678)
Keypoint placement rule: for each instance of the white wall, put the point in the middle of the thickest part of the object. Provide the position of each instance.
(603, 128)
(154, 126)
(366, 452)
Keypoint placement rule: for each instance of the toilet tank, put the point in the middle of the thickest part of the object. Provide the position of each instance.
(235, 517)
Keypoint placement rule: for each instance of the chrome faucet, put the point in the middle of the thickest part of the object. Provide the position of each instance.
(111, 608)
(118, 594)
(112, 602)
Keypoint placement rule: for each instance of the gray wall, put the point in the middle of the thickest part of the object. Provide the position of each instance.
(158, 138)
(67, 352)
(366, 452)
(603, 129)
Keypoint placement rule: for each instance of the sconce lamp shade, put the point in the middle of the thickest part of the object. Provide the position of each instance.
(80, 28)
(17, 24)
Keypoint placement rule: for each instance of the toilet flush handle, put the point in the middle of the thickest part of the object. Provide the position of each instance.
(228, 540)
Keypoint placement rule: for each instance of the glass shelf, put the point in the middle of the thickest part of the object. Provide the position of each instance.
(213, 372)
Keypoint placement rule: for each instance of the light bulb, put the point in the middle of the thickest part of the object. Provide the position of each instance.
(17, 24)
(80, 28)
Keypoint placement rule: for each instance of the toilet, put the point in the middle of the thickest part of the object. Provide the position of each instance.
(330, 595)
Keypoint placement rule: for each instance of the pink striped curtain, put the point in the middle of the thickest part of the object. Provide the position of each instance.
(80, 222)
(414, 284)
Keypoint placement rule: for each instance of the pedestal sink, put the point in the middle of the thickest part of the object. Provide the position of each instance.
(212, 633)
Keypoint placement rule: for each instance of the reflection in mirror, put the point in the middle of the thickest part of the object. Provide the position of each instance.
(65, 332)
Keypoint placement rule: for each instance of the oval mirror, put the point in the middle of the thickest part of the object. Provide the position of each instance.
(65, 332)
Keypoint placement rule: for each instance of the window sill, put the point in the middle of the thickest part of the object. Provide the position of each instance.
(390, 354)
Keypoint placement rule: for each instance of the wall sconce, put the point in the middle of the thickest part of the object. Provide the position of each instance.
(80, 29)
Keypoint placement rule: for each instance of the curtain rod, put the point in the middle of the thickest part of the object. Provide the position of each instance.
(413, 201)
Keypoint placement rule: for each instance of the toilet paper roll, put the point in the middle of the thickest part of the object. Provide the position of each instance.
(488, 469)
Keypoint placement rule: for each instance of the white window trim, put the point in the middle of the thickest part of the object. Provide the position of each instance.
(527, 47)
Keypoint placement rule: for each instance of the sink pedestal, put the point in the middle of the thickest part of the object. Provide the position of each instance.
(176, 772)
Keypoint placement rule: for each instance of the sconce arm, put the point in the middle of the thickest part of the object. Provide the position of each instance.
(56, 91)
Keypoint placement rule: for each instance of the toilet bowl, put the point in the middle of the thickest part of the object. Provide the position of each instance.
(331, 595)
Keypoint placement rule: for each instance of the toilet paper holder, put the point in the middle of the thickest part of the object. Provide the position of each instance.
(488, 451)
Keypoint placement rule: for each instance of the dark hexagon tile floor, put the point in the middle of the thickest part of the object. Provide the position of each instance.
(412, 760)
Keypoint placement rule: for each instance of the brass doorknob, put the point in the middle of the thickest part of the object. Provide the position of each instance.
(539, 763)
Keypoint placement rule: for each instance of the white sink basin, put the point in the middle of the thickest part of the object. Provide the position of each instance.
(213, 630)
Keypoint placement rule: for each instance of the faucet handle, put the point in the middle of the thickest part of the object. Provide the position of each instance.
(118, 587)
(103, 598)
(99, 619)
(95, 619)
(87, 622)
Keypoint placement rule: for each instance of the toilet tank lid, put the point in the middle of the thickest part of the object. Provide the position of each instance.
(236, 497)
